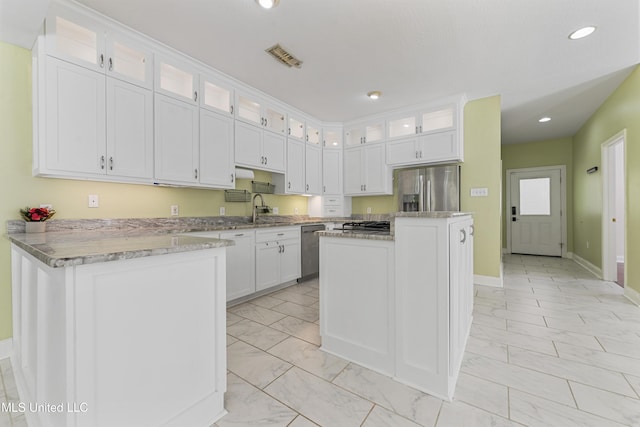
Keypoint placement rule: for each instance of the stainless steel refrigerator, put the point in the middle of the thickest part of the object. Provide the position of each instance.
(435, 188)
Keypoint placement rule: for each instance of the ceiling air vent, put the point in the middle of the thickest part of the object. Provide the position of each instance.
(280, 54)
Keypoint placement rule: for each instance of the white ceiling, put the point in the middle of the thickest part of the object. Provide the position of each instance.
(414, 51)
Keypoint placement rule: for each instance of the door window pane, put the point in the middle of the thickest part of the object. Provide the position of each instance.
(535, 196)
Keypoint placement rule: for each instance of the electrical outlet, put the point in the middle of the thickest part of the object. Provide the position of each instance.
(295, 211)
(222, 211)
(276, 211)
(368, 209)
(48, 206)
(93, 201)
(174, 210)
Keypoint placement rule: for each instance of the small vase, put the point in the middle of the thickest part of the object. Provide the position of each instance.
(35, 227)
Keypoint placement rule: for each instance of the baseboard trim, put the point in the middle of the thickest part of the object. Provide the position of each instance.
(586, 264)
(495, 282)
(6, 348)
(632, 295)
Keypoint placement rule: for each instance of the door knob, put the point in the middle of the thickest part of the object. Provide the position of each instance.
(613, 219)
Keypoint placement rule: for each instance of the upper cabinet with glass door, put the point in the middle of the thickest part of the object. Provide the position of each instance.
(332, 137)
(257, 111)
(216, 95)
(314, 134)
(296, 128)
(178, 79)
(422, 121)
(78, 39)
(364, 133)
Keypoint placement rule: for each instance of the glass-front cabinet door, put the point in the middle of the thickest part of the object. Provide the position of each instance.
(374, 132)
(274, 120)
(314, 135)
(249, 109)
(354, 136)
(177, 80)
(332, 137)
(437, 120)
(129, 60)
(296, 128)
(402, 126)
(216, 96)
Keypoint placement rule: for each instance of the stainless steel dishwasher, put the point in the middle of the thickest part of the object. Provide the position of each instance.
(310, 251)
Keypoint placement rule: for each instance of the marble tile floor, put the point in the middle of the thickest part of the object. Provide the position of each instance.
(554, 347)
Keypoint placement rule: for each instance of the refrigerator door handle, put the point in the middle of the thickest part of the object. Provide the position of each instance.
(428, 195)
(421, 193)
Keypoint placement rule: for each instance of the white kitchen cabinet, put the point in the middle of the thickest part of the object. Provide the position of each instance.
(95, 126)
(296, 128)
(366, 171)
(216, 150)
(241, 265)
(277, 256)
(255, 148)
(216, 95)
(431, 148)
(94, 337)
(176, 141)
(332, 137)
(178, 79)
(75, 116)
(363, 133)
(313, 169)
(427, 120)
(129, 116)
(434, 300)
(314, 134)
(77, 38)
(332, 172)
(353, 329)
(252, 109)
(295, 176)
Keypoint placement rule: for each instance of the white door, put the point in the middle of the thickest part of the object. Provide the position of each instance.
(216, 150)
(536, 212)
(267, 264)
(273, 149)
(353, 171)
(176, 140)
(129, 130)
(332, 171)
(290, 260)
(248, 141)
(374, 169)
(295, 167)
(241, 279)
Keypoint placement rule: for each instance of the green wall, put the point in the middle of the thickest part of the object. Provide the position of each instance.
(481, 168)
(620, 111)
(552, 152)
(18, 188)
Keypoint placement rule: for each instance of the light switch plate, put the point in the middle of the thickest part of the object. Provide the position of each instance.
(93, 201)
(222, 211)
(276, 210)
(479, 192)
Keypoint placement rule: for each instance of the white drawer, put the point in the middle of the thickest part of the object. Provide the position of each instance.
(277, 233)
(333, 211)
(333, 200)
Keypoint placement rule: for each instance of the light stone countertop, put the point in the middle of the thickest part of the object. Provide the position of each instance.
(87, 241)
(355, 235)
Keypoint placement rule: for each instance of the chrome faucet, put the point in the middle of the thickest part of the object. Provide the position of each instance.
(255, 208)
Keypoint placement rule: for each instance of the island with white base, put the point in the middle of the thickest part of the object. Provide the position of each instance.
(119, 329)
(401, 304)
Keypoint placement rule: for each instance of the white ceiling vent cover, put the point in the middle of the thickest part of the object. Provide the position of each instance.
(284, 57)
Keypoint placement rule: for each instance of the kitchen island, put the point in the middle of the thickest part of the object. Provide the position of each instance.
(119, 328)
(401, 304)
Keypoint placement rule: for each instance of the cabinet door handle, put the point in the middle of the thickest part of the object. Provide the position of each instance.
(110, 64)
(473, 230)
(231, 109)
(307, 187)
(365, 187)
(262, 160)
(279, 249)
(324, 143)
(416, 129)
(102, 162)
(196, 172)
(111, 163)
(261, 121)
(420, 128)
(416, 154)
(324, 188)
(464, 236)
(280, 234)
(239, 235)
(101, 60)
(289, 131)
(266, 160)
(289, 185)
(283, 248)
(232, 177)
(266, 122)
(307, 138)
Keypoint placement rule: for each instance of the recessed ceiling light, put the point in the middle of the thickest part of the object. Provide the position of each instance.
(374, 95)
(582, 32)
(268, 4)
(544, 119)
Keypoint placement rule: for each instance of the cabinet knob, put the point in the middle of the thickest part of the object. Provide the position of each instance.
(111, 163)
(102, 162)
(231, 109)
(232, 177)
(307, 187)
(289, 185)
(262, 160)
(266, 160)
(101, 60)
(110, 64)
(464, 235)
(196, 173)
(195, 96)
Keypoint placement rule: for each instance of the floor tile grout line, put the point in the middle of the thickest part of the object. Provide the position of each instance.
(367, 416)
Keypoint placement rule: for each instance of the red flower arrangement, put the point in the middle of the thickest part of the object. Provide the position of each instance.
(36, 214)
